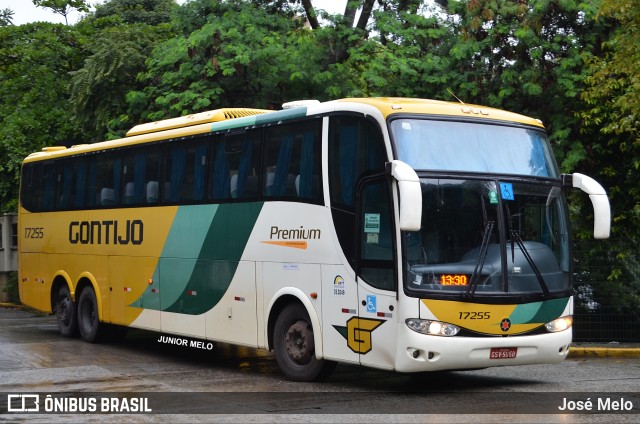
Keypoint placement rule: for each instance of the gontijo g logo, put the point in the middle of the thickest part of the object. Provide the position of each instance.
(358, 333)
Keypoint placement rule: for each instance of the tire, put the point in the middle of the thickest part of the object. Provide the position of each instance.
(91, 329)
(295, 348)
(66, 313)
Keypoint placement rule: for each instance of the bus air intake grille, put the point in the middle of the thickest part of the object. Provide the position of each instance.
(194, 119)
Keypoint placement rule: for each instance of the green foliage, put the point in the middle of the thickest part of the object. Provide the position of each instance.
(35, 61)
(6, 17)
(63, 7)
(571, 63)
(99, 89)
(611, 120)
(12, 289)
(149, 12)
(414, 53)
(241, 55)
(525, 57)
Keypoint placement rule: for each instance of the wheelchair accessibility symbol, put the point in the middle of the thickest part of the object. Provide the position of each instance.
(506, 190)
(371, 303)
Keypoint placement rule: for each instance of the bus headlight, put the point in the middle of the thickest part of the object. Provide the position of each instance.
(433, 328)
(559, 324)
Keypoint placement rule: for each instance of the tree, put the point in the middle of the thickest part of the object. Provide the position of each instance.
(99, 89)
(149, 12)
(35, 61)
(525, 57)
(6, 17)
(612, 126)
(121, 34)
(63, 7)
(236, 54)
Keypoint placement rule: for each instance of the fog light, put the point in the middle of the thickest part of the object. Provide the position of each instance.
(433, 328)
(559, 324)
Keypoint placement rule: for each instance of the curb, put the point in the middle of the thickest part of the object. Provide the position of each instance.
(10, 305)
(19, 306)
(603, 352)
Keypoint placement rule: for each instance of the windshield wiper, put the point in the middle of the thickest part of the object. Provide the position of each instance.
(515, 236)
(475, 277)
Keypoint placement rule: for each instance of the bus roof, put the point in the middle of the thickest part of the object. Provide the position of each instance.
(204, 122)
(394, 105)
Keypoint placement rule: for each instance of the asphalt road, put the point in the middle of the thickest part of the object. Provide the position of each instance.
(223, 383)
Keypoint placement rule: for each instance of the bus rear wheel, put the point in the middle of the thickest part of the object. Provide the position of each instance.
(88, 320)
(66, 313)
(295, 347)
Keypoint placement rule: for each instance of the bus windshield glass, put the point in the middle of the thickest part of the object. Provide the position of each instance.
(481, 237)
(471, 147)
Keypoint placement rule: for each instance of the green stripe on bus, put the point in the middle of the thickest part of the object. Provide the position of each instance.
(281, 115)
(539, 312)
(173, 266)
(218, 259)
(550, 310)
(234, 123)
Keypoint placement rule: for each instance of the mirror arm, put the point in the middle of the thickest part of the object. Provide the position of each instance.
(599, 200)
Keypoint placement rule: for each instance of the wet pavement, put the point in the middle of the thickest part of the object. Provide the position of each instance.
(240, 384)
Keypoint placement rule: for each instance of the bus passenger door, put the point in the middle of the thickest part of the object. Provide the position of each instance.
(377, 281)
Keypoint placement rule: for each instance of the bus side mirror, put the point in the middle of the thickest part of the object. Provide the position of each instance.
(600, 202)
(410, 195)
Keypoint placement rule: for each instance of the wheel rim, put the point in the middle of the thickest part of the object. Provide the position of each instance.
(64, 308)
(299, 342)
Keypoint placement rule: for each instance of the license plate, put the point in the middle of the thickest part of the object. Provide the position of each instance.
(503, 352)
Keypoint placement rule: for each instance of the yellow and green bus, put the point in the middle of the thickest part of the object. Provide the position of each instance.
(402, 234)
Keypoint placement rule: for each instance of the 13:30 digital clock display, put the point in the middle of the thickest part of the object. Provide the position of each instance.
(454, 279)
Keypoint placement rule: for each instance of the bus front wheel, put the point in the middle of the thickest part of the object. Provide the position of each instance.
(295, 347)
(66, 313)
(88, 320)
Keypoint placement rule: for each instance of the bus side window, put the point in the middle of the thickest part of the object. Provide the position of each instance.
(185, 172)
(141, 166)
(107, 179)
(245, 166)
(236, 163)
(31, 187)
(220, 183)
(64, 178)
(151, 177)
(356, 147)
(48, 186)
(278, 180)
(80, 183)
(292, 161)
(91, 186)
(70, 183)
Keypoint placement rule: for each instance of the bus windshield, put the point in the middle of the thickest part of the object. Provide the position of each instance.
(481, 237)
(466, 147)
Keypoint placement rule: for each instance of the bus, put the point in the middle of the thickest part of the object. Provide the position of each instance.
(402, 234)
